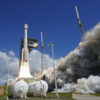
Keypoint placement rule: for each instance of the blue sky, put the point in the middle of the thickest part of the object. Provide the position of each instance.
(55, 18)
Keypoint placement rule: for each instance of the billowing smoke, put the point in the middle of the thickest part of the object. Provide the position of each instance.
(84, 60)
(83, 86)
(87, 86)
(81, 62)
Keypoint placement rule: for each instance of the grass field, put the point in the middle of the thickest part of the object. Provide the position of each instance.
(50, 96)
(96, 94)
(3, 94)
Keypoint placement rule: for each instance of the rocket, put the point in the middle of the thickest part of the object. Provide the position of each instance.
(24, 71)
(78, 17)
(25, 46)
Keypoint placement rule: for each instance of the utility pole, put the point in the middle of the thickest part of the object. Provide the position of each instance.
(42, 54)
(7, 80)
(52, 49)
(42, 46)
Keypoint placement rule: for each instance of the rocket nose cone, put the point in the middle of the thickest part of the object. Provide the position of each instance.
(25, 26)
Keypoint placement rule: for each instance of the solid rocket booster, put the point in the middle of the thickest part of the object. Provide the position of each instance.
(25, 49)
(78, 17)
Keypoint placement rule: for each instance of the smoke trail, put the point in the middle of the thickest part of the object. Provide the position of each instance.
(81, 62)
(84, 60)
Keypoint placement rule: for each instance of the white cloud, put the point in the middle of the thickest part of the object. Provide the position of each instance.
(11, 62)
(11, 53)
(7, 64)
(35, 61)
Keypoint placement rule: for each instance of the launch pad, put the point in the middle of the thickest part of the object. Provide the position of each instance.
(28, 80)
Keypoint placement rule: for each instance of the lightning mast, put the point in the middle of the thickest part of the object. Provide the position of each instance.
(80, 25)
(42, 53)
(55, 78)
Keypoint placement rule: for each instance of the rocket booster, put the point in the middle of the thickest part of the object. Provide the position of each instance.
(25, 46)
(78, 17)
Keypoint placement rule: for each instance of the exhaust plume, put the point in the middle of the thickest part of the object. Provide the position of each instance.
(83, 61)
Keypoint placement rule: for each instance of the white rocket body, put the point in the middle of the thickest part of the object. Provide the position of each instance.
(20, 89)
(25, 49)
(77, 12)
(78, 17)
(38, 88)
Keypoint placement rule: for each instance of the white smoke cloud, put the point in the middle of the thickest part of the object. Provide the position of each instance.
(87, 86)
(84, 86)
(69, 87)
(9, 63)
